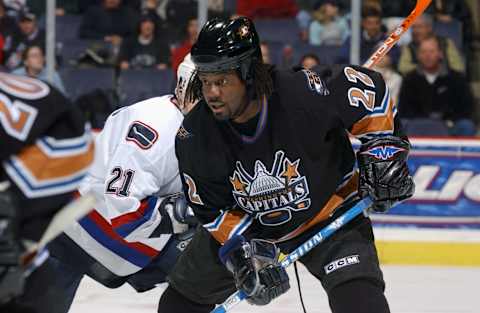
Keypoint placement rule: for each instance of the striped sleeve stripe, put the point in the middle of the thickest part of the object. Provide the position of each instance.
(50, 147)
(381, 110)
(33, 188)
(127, 223)
(134, 252)
(379, 120)
(213, 226)
(226, 224)
(245, 222)
(375, 124)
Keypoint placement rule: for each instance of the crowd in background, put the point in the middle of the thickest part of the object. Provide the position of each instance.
(427, 72)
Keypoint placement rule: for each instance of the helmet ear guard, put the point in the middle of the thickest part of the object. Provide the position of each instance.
(185, 73)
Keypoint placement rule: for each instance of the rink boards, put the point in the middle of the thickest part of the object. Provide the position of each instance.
(440, 225)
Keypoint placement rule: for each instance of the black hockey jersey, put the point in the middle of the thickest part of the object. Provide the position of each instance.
(297, 168)
(46, 148)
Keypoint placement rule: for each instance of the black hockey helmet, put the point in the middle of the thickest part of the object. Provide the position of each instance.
(227, 44)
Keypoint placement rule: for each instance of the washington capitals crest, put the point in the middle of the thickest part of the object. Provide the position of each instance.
(271, 194)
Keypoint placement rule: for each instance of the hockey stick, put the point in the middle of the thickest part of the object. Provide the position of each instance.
(397, 33)
(308, 245)
(70, 213)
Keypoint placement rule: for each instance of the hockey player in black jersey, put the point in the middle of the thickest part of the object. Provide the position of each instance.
(266, 161)
(45, 151)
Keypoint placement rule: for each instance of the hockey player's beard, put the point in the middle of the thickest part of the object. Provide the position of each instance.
(222, 112)
(218, 110)
(239, 111)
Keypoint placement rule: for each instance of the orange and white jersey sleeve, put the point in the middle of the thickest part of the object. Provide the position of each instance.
(229, 224)
(363, 102)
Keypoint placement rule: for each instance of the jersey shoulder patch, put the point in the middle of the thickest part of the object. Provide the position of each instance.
(315, 83)
(142, 135)
(183, 133)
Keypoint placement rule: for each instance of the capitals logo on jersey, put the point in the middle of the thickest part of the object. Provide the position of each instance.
(383, 152)
(271, 196)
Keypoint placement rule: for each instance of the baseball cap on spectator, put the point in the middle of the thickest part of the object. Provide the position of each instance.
(27, 16)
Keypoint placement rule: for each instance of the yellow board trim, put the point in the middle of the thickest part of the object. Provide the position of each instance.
(429, 253)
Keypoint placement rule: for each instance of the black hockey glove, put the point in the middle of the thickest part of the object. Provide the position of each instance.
(384, 175)
(255, 268)
(11, 272)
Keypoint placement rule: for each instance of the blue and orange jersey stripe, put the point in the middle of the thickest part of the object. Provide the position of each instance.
(228, 224)
(51, 166)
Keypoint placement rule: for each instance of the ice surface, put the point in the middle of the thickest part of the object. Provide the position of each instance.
(410, 289)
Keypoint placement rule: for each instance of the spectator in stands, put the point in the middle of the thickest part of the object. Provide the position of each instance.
(179, 53)
(372, 34)
(157, 6)
(15, 8)
(29, 34)
(156, 10)
(309, 61)
(34, 66)
(178, 11)
(265, 53)
(144, 49)
(421, 29)
(448, 11)
(267, 8)
(372, 4)
(8, 26)
(287, 60)
(328, 27)
(63, 7)
(433, 90)
(109, 22)
(392, 78)
(308, 5)
(397, 8)
(304, 16)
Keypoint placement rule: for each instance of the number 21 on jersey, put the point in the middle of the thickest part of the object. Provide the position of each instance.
(357, 95)
(120, 182)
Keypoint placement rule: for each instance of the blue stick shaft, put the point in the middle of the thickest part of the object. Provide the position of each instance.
(303, 249)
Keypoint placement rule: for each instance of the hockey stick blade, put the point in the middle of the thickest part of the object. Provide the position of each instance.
(303, 249)
(420, 7)
(70, 213)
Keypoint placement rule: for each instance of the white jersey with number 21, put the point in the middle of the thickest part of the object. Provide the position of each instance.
(134, 167)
